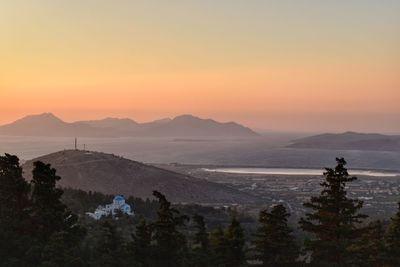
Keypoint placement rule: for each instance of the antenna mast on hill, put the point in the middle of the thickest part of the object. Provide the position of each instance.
(76, 143)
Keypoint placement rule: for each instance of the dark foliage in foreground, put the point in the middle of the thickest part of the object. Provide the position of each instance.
(274, 244)
(333, 221)
(39, 228)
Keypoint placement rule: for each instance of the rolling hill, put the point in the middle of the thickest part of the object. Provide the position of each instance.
(111, 174)
(350, 141)
(47, 124)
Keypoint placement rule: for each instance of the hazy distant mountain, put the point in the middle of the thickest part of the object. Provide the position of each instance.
(111, 174)
(186, 125)
(350, 141)
(111, 123)
(161, 121)
(111, 126)
(47, 124)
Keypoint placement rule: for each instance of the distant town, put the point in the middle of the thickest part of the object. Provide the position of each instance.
(380, 194)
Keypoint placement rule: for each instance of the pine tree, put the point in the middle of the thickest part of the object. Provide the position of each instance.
(369, 250)
(141, 245)
(61, 250)
(201, 251)
(392, 239)
(227, 246)
(47, 209)
(274, 244)
(333, 222)
(51, 219)
(201, 236)
(219, 248)
(14, 215)
(235, 239)
(170, 244)
(110, 249)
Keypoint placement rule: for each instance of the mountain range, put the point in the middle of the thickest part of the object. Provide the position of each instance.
(47, 124)
(110, 174)
(350, 141)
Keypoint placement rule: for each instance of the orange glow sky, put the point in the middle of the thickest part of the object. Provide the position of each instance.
(279, 65)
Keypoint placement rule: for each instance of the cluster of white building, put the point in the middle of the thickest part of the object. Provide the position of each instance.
(118, 206)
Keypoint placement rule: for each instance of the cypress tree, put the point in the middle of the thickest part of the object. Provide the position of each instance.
(333, 220)
(274, 244)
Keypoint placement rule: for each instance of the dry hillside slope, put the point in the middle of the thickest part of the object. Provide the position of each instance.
(111, 174)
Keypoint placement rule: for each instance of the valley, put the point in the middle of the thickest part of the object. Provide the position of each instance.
(379, 193)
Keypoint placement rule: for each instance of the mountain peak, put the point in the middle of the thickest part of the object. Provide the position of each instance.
(42, 115)
(40, 118)
(186, 117)
(351, 133)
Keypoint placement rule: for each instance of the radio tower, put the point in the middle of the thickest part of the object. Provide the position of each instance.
(76, 143)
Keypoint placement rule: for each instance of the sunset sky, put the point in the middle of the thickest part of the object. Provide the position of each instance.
(275, 65)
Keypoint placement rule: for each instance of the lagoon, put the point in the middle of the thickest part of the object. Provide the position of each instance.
(297, 171)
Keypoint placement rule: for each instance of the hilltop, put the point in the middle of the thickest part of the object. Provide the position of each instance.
(110, 174)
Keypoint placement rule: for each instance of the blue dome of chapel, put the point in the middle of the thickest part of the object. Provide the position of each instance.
(119, 198)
